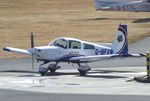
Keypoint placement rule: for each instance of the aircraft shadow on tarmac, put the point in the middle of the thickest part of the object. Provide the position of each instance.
(108, 76)
(142, 20)
(113, 71)
(88, 75)
(105, 76)
(18, 71)
(99, 74)
(145, 20)
(112, 19)
(31, 73)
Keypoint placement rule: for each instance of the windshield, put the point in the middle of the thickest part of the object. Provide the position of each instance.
(61, 43)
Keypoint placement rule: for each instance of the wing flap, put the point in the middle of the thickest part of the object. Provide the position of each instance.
(16, 50)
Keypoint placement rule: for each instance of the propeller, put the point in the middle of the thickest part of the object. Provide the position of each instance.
(32, 46)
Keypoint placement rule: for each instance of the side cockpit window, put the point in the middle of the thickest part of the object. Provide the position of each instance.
(74, 44)
(88, 46)
(61, 43)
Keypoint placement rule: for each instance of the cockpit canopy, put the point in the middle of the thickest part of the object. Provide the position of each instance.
(67, 43)
(71, 43)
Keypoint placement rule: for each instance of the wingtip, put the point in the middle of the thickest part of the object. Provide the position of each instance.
(6, 49)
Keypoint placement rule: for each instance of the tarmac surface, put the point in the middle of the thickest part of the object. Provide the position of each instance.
(108, 80)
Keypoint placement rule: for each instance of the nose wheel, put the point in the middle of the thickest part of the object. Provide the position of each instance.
(43, 71)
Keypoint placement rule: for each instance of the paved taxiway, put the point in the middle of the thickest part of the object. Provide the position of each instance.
(106, 81)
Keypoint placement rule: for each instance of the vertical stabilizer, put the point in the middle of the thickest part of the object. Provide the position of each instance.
(120, 44)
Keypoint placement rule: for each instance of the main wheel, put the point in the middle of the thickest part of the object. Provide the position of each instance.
(52, 70)
(83, 70)
(52, 67)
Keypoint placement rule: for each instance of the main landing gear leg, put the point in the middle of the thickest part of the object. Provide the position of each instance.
(83, 69)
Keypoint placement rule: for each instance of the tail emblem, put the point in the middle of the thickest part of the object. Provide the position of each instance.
(120, 38)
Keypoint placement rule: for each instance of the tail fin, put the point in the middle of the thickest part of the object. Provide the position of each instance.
(120, 44)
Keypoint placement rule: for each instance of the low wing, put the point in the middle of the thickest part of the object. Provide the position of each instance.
(84, 59)
(16, 50)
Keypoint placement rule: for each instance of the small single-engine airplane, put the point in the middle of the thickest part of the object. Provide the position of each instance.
(132, 6)
(73, 50)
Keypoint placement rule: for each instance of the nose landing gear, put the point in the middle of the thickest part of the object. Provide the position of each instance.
(51, 67)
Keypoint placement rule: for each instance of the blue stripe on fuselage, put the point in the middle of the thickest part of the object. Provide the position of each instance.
(66, 58)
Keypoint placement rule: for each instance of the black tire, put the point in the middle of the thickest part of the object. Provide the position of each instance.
(43, 71)
(43, 74)
(82, 73)
(52, 70)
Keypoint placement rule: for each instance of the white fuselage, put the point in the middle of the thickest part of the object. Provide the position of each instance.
(54, 52)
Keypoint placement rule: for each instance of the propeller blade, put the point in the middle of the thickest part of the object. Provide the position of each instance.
(32, 62)
(32, 40)
(32, 46)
